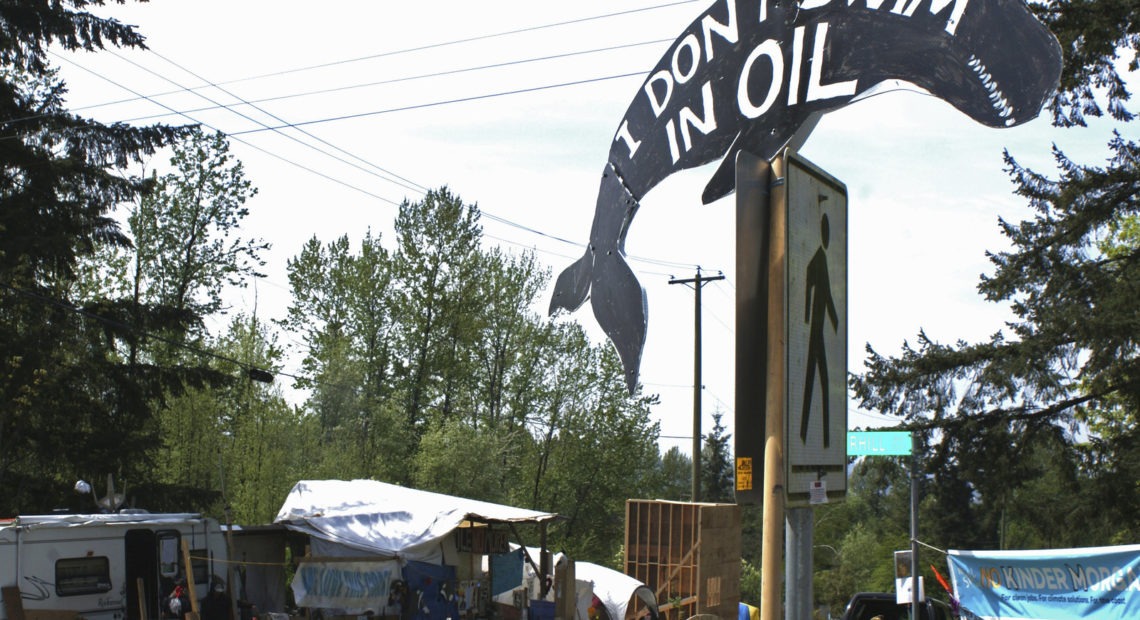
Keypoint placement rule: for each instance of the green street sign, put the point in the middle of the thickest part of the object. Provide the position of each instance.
(878, 443)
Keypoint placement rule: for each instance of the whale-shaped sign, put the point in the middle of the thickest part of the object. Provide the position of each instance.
(752, 74)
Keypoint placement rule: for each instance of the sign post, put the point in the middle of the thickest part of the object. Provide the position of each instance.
(897, 443)
(916, 585)
(774, 401)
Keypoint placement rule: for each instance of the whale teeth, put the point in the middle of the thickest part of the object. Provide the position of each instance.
(997, 98)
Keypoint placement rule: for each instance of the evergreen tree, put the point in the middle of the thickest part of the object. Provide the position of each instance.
(1061, 379)
(673, 479)
(1071, 356)
(717, 471)
(1095, 36)
(69, 405)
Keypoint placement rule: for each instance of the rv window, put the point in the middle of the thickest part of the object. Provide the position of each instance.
(200, 562)
(168, 554)
(75, 576)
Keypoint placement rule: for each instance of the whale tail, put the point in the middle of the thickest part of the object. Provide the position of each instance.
(573, 285)
(618, 302)
(620, 307)
(603, 276)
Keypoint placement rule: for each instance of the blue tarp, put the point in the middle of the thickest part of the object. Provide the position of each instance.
(1098, 583)
(506, 571)
(430, 589)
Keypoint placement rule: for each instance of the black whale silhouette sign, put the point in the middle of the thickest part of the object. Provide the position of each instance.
(749, 74)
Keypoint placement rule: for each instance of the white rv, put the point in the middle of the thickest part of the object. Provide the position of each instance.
(94, 565)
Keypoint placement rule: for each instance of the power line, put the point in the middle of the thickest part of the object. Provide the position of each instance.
(236, 136)
(213, 84)
(338, 89)
(438, 45)
(417, 187)
(402, 181)
(397, 179)
(245, 142)
(420, 106)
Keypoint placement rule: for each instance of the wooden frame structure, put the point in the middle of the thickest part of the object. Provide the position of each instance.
(687, 553)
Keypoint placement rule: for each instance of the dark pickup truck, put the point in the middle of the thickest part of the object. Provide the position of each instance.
(883, 606)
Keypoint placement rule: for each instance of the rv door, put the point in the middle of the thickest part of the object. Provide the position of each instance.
(152, 557)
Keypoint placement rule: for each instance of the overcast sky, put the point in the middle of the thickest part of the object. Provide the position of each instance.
(341, 110)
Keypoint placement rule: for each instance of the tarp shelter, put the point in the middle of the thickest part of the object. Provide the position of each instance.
(387, 519)
(1097, 583)
(373, 545)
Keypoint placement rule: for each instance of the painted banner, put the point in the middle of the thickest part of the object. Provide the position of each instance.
(352, 588)
(1099, 583)
(755, 75)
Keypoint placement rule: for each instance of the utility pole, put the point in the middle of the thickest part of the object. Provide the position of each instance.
(697, 283)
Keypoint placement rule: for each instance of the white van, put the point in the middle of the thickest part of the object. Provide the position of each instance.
(106, 566)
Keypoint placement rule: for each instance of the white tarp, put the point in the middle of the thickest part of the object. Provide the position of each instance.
(613, 588)
(386, 519)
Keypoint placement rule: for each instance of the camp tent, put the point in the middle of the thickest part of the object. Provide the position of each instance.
(372, 519)
(345, 518)
(614, 589)
(373, 546)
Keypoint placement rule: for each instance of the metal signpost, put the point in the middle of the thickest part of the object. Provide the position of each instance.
(792, 261)
(896, 443)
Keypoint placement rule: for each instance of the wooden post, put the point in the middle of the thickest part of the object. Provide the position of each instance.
(13, 603)
(772, 548)
(565, 591)
(309, 610)
(140, 587)
(188, 566)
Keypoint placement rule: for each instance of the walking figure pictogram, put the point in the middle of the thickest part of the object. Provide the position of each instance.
(818, 305)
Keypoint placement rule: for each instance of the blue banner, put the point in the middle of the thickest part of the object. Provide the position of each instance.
(1099, 583)
(351, 587)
